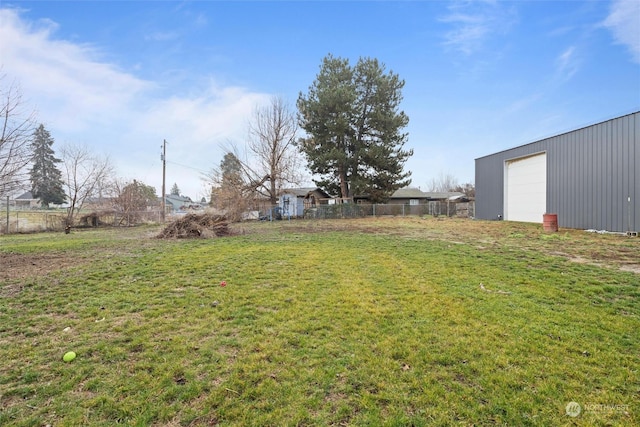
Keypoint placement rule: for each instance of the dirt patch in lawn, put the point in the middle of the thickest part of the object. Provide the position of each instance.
(633, 268)
(16, 266)
(19, 266)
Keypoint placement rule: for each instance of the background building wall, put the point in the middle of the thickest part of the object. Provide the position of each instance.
(590, 174)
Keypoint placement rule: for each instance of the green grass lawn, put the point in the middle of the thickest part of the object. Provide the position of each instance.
(353, 323)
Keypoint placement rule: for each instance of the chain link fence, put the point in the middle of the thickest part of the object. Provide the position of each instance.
(350, 210)
(31, 221)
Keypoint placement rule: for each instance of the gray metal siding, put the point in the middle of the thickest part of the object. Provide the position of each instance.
(590, 173)
(489, 195)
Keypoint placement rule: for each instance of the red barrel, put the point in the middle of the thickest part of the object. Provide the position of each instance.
(550, 222)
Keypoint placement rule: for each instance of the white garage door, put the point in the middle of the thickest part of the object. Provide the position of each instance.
(526, 188)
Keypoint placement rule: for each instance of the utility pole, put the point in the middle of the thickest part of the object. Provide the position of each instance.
(163, 157)
(7, 214)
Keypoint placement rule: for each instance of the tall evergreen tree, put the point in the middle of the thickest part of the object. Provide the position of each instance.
(175, 190)
(46, 178)
(231, 171)
(354, 126)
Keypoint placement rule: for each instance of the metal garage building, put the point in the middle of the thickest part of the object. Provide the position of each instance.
(589, 177)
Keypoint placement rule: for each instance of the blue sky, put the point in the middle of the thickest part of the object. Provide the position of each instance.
(481, 76)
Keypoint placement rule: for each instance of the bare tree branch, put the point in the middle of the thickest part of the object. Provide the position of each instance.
(272, 135)
(16, 131)
(251, 183)
(443, 183)
(269, 161)
(86, 175)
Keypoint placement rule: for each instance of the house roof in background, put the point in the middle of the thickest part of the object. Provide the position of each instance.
(402, 193)
(416, 193)
(408, 193)
(26, 196)
(178, 198)
(443, 195)
(302, 192)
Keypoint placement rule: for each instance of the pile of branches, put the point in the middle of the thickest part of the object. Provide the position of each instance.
(193, 226)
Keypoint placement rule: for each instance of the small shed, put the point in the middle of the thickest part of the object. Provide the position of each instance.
(294, 201)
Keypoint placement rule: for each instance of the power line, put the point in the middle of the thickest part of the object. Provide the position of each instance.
(164, 174)
(188, 167)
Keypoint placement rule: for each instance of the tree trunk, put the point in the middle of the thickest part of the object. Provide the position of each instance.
(273, 192)
(70, 212)
(344, 185)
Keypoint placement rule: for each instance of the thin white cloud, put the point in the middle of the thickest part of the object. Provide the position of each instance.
(467, 38)
(567, 63)
(200, 20)
(473, 23)
(219, 114)
(524, 103)
(624, 23)
(196, 129)
(82, 98)
(66, 81)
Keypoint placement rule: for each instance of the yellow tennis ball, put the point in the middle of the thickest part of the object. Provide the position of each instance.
(69, 356)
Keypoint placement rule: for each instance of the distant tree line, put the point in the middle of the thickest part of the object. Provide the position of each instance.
(348, 133)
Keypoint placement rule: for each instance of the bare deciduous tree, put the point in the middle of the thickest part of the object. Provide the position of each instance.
(443, 183)
(272, 136)
(446, 182)
(269, 161)
(85, 175)
(15, 137)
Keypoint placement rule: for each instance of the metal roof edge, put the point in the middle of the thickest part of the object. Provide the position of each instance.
(559, 134)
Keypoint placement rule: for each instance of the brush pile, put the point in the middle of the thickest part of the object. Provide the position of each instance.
(194, 226)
